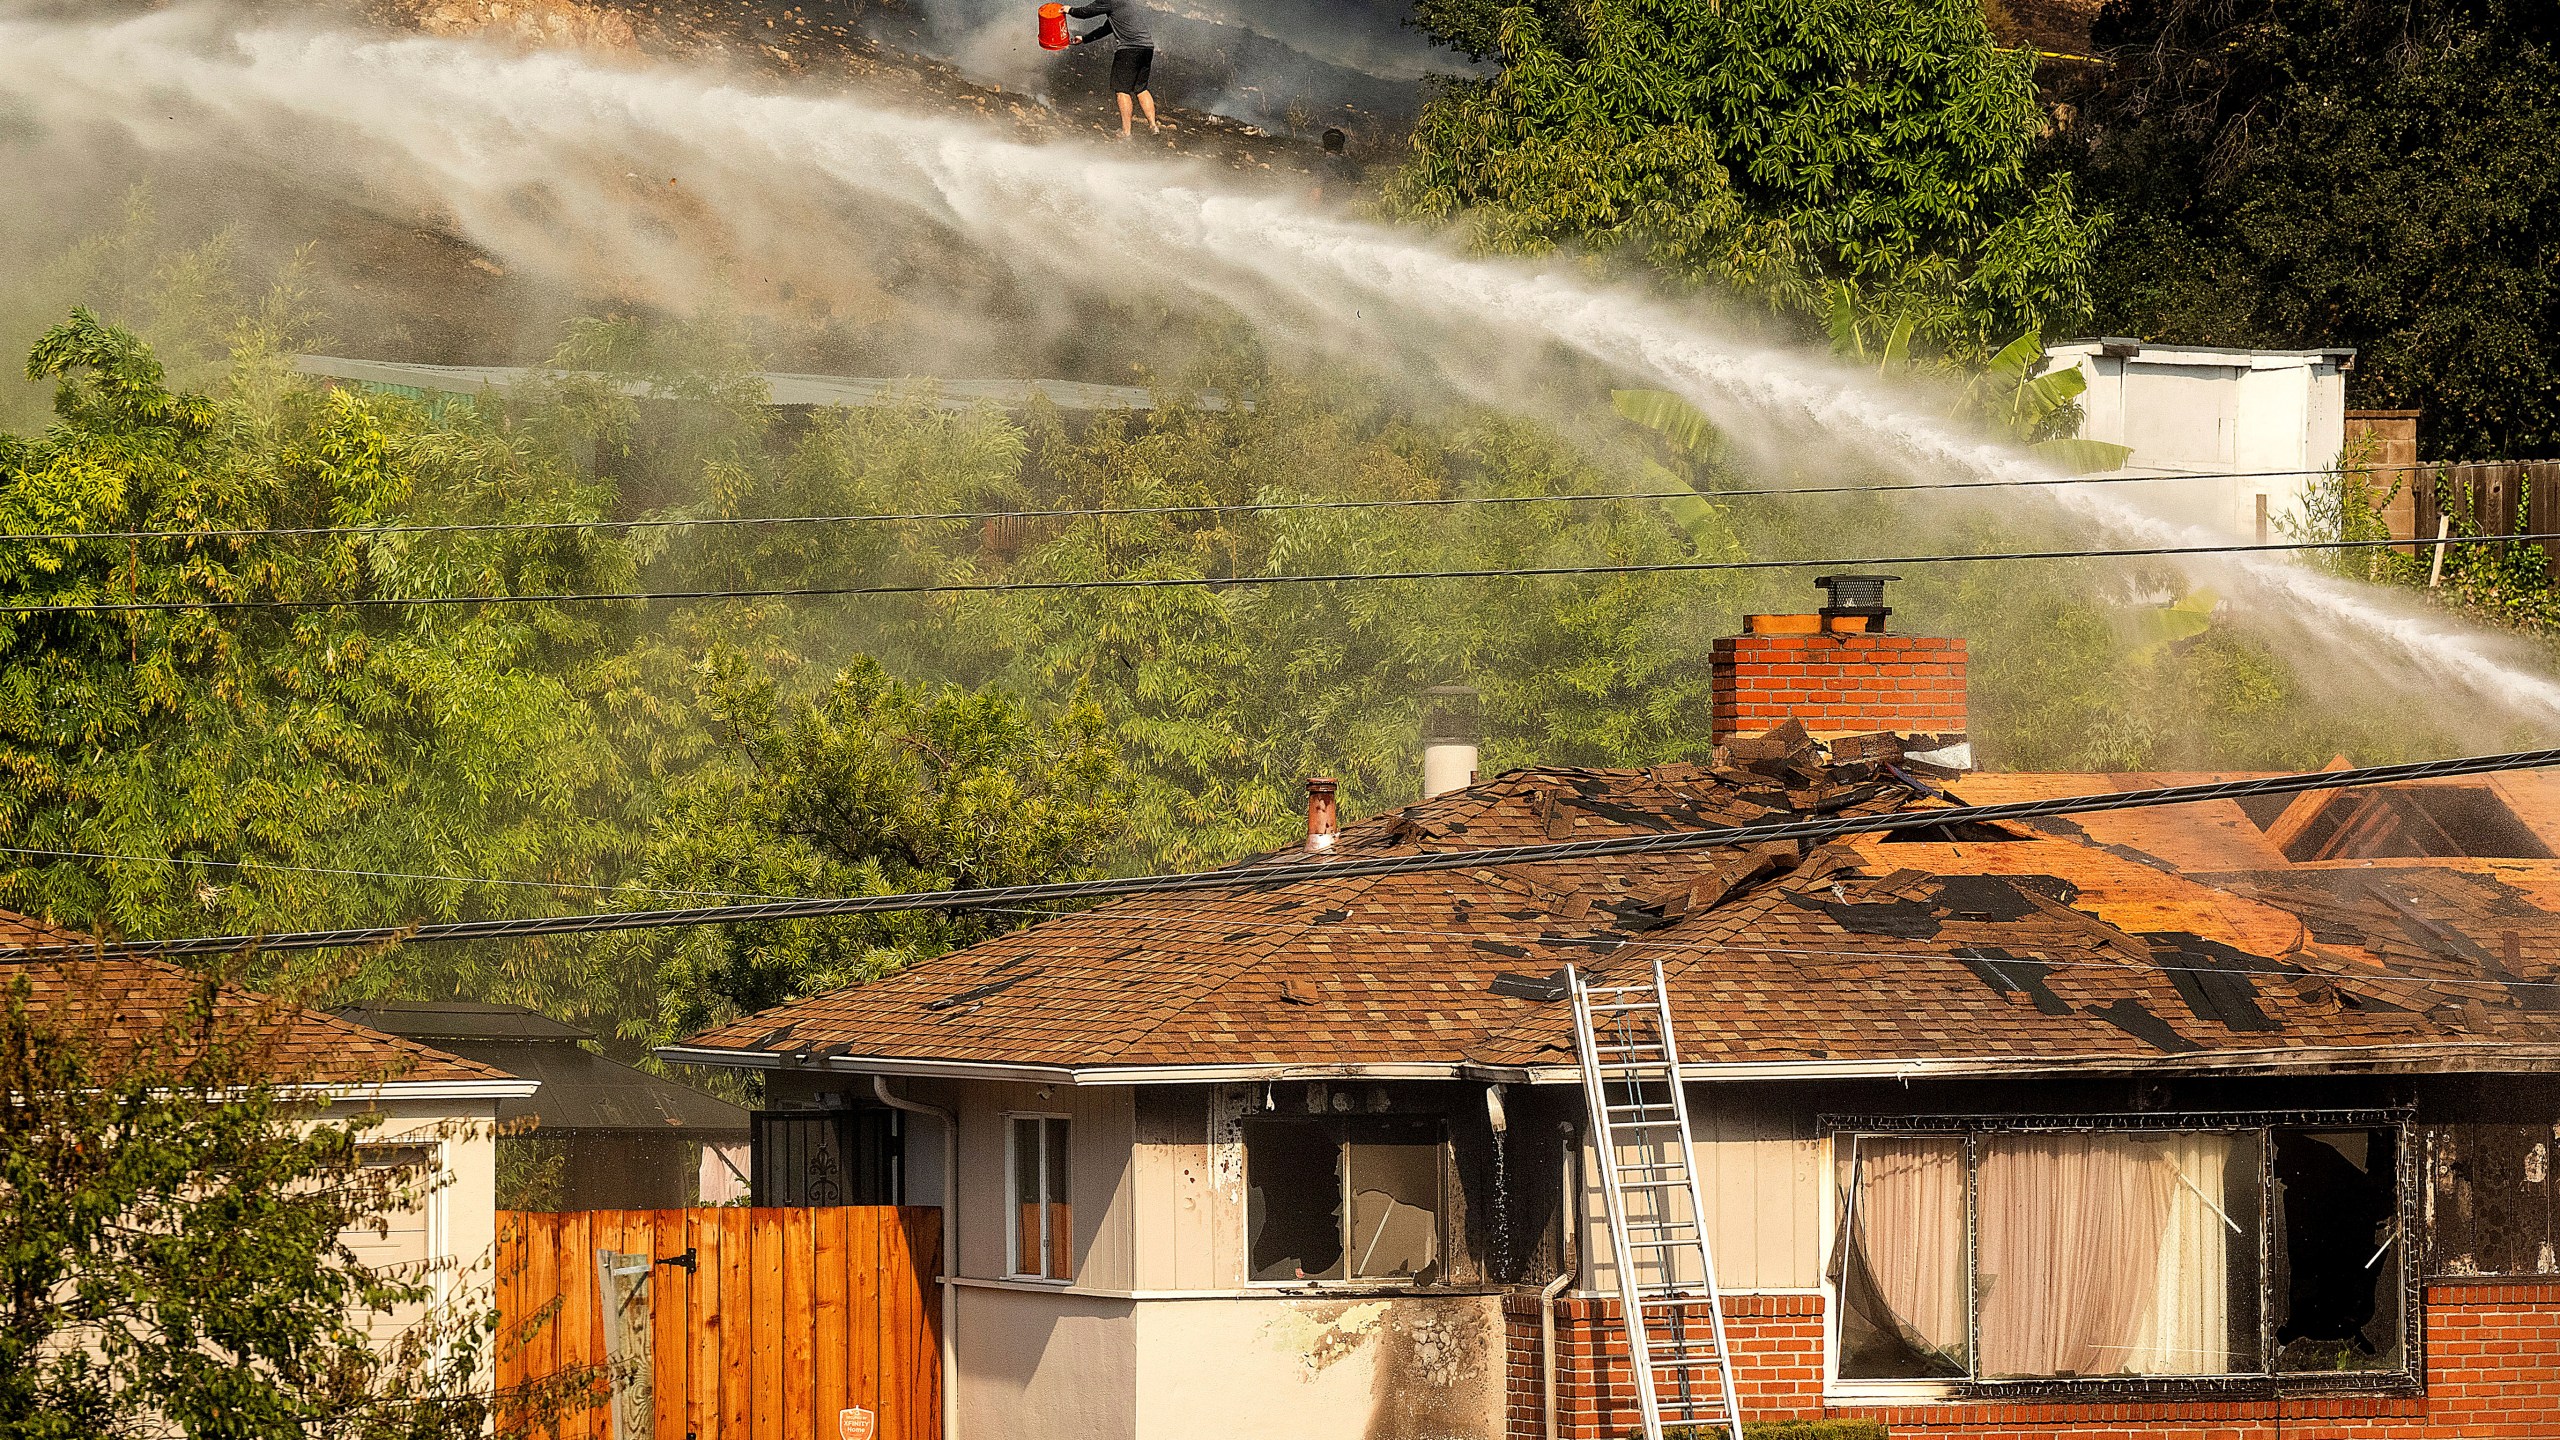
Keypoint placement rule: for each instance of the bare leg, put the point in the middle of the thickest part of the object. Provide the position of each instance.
(1124, 113)
(1146, 102)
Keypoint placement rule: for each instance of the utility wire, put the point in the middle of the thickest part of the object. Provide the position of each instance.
(182, 861)
(1274, 875)
(1221, 582)
(1115, 511)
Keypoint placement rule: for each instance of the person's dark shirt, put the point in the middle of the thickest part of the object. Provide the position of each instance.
(1121, 20)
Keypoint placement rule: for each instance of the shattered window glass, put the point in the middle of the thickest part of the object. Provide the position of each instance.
(1333, 1199)
(1293, 1200)
(1904, 1290)
(1394, 1183)
(2339, 1295)
(2121, 1254)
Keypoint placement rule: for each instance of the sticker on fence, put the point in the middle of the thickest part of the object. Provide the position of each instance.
(856, 1424)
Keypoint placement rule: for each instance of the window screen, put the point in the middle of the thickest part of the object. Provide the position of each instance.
(1394, 1184)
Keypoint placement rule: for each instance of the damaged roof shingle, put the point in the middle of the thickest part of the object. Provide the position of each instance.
(2049, 949)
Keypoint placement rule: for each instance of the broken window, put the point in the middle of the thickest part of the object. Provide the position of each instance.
(1042, 1245)
(2339, 1297)
(1904, 1287)
(2130, 1254)
(1355, 1199)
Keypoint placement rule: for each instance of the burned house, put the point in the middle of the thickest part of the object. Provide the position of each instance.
(2193, 1121)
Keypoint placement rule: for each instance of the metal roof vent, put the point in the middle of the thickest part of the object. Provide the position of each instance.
(1855, 595)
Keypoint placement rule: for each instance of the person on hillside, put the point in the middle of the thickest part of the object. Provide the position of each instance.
(1337, 174)
(1133, 56)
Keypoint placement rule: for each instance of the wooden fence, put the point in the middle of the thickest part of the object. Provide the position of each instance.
(783, 1318)
(2515, 497)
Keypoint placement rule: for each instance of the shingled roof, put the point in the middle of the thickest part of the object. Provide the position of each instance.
(130, 1002)
(2007, 950)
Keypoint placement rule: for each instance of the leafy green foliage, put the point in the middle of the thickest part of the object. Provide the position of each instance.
(175, 1257)
(871, 787)
(252, 762)
(2507, 583)
(1764, 144)
(262, 763)
(2340, 172)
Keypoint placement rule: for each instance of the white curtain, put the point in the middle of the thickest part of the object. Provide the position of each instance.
(1907, 1260)
(2104, 1255)
(2188, 1331)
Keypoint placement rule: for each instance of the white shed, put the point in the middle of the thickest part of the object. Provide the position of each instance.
(2263, 423)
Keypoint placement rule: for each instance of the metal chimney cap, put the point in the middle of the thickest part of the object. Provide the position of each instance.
(1855, 594)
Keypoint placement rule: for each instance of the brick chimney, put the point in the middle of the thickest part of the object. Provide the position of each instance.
(1838, 671)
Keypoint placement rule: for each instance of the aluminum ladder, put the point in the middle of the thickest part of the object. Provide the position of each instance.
(1649, 1182)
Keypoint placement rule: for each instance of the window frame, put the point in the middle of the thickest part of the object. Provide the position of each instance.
(1339, 1128)
(1013, 1269)
(2408, 1379)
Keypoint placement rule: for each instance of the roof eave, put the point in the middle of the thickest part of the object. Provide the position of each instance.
(2449, 1058)
(503, 1088)
(919, 1068)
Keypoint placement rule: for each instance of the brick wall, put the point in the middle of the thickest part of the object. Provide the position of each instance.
(2493, 1370)
(1839, 683)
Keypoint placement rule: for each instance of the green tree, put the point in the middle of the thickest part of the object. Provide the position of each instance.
(2340, 172)
(871, 786)
(1771, 145)
(254, 768)
(174, 1251)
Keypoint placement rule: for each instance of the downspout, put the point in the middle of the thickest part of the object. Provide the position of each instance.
(950, 1246)
(1501, 1227)
(1568, 1223)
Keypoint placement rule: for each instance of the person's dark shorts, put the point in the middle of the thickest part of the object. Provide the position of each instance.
(1130, 69)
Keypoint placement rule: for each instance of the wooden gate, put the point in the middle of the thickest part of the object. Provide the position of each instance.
(760, 1324)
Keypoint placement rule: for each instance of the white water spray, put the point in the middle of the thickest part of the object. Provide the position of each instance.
(529, 155)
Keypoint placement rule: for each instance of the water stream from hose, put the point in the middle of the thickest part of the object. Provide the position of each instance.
(540, 157)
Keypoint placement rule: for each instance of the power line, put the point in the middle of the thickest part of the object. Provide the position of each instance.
(1342, 868)
(1221, 582)
(1125, 511)
(181, 861)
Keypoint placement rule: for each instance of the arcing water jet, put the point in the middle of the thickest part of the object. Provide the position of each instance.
(540, 158)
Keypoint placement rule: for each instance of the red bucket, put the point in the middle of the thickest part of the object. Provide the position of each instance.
(1053, 27)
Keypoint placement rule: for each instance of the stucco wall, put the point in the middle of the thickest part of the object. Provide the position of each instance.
(1057, 1365)
(1046, 1365)
(1384, 1368)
